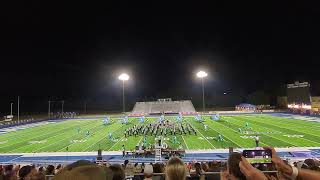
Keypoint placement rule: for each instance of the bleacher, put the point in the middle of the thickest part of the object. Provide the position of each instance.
(157, 107)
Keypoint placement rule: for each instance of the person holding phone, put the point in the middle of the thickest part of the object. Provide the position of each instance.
(251, 173)
(292, 172)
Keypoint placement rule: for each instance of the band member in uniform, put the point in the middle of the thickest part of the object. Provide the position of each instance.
(257, 141)
(205, 127)
(175, 140)
(110, 136)
(220, 138)
(123, 149)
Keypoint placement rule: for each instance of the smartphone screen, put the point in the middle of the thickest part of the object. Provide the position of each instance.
(258, 156)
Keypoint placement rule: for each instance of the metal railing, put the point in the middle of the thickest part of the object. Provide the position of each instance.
(49, 177)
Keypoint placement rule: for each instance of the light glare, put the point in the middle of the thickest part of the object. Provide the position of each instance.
(202, 74)
(124, 77)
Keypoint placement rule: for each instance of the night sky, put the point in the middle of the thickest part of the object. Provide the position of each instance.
(75, 51)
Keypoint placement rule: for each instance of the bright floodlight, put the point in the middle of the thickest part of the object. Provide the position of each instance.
(202, 74)
(124, 77)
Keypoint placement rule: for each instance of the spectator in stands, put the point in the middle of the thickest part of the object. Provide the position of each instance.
(309, 164)
(234, 171)
(29, 172)
(204, 167)
(125, 163)
(38, 176)
(195, 173)
(148, 172)
(175, 169)
(158, 168)
(16, 169)
(292, 172)
(58, 168)
(129, 170)
(50, 170)
(137, 170)
(84, 170)
(213, 167)
(118, 172)
(41, 170)
(142, 167)
(1, 172)
(9, 173)
(189, 166)
(25, 172)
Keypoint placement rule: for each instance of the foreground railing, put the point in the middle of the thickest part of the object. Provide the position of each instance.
(135, 175)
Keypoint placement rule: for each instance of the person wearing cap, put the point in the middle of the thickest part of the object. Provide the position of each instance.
(148, 172)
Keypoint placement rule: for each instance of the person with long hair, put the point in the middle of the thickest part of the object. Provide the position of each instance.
(175, 169)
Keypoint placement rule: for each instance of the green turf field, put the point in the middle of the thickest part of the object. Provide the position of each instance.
(56, 137)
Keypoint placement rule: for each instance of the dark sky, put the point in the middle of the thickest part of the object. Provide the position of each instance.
(75, 51)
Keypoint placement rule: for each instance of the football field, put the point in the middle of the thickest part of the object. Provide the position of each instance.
(236, 131)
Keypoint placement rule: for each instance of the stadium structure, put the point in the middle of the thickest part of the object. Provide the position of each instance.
(156, 130)
(299, 99)
(163, 106)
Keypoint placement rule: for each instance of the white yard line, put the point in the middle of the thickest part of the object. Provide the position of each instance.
(34, 137)
(226, 136)
(205, 137)
(284, 126)
(38, 137)
(262, 127)
(61, 139)
(243, 134)
(24, 134)
(185, 142)
(236, 132)
(115, 144)
(100, 138)
(80, 139)
(119, 139)
(104, 137)
(140, 140)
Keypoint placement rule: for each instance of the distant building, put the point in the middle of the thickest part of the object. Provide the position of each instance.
(246, 107)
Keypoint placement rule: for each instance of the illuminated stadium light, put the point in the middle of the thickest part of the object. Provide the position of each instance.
(124, 77)
(202, 74)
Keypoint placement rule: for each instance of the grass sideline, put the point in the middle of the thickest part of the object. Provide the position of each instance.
(63, 136)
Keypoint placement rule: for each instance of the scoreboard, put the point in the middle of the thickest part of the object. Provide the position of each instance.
(299, 93)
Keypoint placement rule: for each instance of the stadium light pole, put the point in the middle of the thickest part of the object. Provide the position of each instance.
(11, 108)
(202, 74)
(18, 108)
(123, 77)
(62, 103)
(49, 109)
